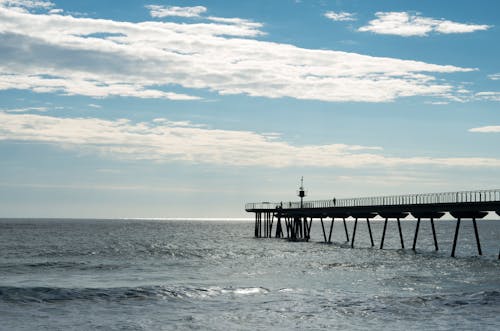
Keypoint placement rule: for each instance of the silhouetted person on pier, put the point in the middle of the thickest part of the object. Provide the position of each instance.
(334, 201)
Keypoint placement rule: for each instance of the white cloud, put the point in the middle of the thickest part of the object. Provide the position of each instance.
(494, 76)
(394, 179)
(240, 22)
(101, 58)
(27, 4)
(448, 27)
(25, 109)
(340, 16)
(73, 84)
(440, 103)
(56, 11)
(406, 24)
(189, 12)
(486, 129)
(488, 96)
(162, 140)
(165, 11)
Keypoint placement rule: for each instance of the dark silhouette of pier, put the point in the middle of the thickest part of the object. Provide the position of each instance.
(298, 216)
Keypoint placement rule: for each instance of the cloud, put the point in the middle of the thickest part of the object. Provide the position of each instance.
(76, 85)
(26, 109)
(494, 76)
(241, 22)
(27, 4)
(340, 16)
(393, 178)
(189, 12)
(164, 11)
(102, 58)
(440, 103)
(406, 24)
(486, 129)
(488, 96)
(56, 11)
(162, 140)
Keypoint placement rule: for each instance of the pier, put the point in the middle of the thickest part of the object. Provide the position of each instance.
(294, 219)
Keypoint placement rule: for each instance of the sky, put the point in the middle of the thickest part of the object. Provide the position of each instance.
(192, 108)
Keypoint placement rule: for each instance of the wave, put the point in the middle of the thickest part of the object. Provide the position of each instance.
(46, 264)
(412, 307)
(455, 300)
(57, 294)
(131, 250)
(65, 265)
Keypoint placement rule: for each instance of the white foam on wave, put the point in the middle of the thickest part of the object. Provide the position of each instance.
(250, 290)
(289, 290)
(216, 291)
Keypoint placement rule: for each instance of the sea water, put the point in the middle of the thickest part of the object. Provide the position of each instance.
(213, 275)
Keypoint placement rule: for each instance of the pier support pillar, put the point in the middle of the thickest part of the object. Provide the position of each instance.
(256, 233)
(268, 225)
(259, 225)
(304, 224)
(383, 234)
(262, 225)
(279, 230)
(455, 238)
(297, 228)
(293, 228)
(271, 223)
(331, 230)
(354, 232)
(309, 228)
(300, 231)
(306, 228)
(478, 243)
(265, 225)
(370, 231)
(287, 228)
(346, 232)
(434, 234)
(323, 228)
(400, 234)
(416, 234)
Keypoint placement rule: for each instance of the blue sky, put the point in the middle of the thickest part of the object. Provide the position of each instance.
(192, 108)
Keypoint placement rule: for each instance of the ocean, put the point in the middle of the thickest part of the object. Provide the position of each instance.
(74, 274)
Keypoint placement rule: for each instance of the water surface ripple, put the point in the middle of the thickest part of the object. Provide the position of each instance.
(182, 275)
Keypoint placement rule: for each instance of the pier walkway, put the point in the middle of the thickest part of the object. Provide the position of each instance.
(298, 216)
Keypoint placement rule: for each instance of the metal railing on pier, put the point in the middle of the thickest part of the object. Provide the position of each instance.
(389, 200)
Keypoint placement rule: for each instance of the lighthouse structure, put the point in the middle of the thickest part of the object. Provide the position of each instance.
(302, 192)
